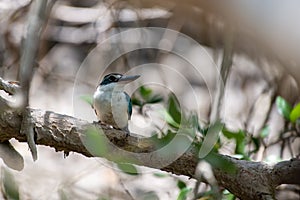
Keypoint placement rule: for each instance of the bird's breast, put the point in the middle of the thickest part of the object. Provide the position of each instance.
(111, 108)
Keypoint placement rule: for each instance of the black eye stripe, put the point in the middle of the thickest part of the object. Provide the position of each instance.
(114, 77)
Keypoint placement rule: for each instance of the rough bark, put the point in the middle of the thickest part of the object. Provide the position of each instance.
(252, 180)
(257, 180)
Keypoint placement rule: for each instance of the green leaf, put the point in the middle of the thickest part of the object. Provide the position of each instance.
(10, 187)
(145, 92)
(183, 193)
(228, 195)
(211, 139)
(295, 113)
(220, 162)
(137, 102)
(160, 175)
(161, 142)
(283, 107)
(95, 141)
(87, 98)
(265, 132)
(103, 198)
(145, 96)
(174, 108)
(181, 184)
(169, 119)
(155, 99)
(127, 168)
(239, 138)
(256, 143)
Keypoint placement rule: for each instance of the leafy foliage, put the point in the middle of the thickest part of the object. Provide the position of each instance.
(256, 143)
(239, 138)
(211, 140)
(97, 144)
(160, 175)
(181, 184)
(145, 95)
(284, 108)
(160, 142)
(265, 132)
(184, 190)
(174, 108)
(181, 123)
(169, 119)
(295, 113)
(291, 114)
(95, 141)
(9, 185)
(128, 168)
(87, 98)
(219, 162)
(228, 195)
(183, 193)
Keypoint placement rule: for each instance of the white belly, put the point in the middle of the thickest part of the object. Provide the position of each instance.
(111, 108)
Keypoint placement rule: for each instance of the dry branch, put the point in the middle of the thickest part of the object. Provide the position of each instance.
(8, 87)
(31, 43)
(253, 180)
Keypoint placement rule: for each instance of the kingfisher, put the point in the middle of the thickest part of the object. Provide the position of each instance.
(111, 103)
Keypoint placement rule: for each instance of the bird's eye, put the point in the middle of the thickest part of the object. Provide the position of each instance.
(112, 78)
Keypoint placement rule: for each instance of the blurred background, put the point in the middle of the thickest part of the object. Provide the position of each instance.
(79, 39)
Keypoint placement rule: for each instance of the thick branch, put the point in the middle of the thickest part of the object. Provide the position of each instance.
(252, 180)
(287, 172)
(256, 180)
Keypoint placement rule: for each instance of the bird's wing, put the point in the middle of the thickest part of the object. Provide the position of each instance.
(93, 107)
(129, 109)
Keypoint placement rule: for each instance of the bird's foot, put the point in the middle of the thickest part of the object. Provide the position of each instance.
(126, 130)
(99, 122)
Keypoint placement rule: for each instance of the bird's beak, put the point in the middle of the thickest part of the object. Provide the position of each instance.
(127, 79)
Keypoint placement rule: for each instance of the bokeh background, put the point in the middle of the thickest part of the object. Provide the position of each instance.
(265, 65)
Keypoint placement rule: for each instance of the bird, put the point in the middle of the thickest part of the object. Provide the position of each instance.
(111, 103)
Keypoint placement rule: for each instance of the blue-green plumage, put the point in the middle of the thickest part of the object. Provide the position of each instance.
(129, 111)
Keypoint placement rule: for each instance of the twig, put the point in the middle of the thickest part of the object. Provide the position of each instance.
(215, 118)
(27, 129)
(31, 44)
(125, 189)
(8, 87)
(225, 69)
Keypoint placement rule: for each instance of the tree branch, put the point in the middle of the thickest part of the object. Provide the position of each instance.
(8, 87)
(252, 180)
(65, 133)
(31, 43)
(287, 172)
(257, 180)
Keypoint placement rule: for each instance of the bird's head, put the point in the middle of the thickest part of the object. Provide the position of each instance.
(117, 79)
